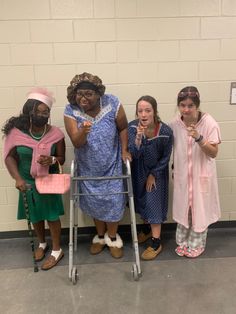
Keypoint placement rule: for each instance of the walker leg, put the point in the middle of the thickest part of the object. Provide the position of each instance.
(136, 269)
(134, 235)
(75, 228)
(71, 238)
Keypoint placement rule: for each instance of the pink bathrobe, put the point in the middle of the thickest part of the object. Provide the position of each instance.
(195, 177)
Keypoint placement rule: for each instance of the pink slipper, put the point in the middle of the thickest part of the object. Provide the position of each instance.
(180, 250)
(192, 253)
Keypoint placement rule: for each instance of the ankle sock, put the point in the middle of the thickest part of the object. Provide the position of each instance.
(43, 245)
(56, 253)
(156, 242)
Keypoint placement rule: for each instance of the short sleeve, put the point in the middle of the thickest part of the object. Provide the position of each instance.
(69, 112)
(213, 135)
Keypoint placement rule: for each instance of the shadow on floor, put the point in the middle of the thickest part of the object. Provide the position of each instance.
(16, 252)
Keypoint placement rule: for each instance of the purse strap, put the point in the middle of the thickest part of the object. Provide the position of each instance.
(59, 166)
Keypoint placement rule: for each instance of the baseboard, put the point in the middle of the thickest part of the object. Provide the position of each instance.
(123, 229)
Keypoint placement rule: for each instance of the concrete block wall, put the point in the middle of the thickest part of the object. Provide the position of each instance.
(137, 47)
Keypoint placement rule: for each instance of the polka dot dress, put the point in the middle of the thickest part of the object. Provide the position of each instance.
(151, 158)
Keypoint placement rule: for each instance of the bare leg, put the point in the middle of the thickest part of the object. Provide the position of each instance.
(112, 229)
(40, 231)
(156, 230)
(55, 230)
(100, 226)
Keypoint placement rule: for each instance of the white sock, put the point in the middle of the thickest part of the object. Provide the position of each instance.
(56, 253)
(43, 245)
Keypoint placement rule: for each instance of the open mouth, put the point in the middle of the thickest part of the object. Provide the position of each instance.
(144, 121)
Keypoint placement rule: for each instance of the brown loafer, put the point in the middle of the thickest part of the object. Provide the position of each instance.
(51, 261)
(150, 254)
(142, 237)
(40, 253)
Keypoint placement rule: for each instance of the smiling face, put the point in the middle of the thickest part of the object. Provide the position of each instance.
(145, 113)
(87, 99)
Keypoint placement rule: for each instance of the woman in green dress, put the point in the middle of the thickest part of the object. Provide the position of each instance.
(32, 148)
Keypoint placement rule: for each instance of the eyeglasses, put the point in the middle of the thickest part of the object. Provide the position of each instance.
(87, 94)
(188, 94)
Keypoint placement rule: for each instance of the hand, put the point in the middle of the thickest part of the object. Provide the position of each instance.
(151, 183)
(140, 131)
(45, 160)
(126, 155)
(86, 127)
(192, 131)
(21, 185)
(139, 134)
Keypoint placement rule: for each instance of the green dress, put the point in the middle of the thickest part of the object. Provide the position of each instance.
(41, 206)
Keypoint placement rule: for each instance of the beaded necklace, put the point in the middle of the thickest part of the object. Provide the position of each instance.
(38, 137)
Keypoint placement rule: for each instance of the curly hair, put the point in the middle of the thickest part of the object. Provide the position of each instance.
(84, 77)
(22, 122)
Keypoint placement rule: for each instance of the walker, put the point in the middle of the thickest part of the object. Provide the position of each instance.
(74, 205)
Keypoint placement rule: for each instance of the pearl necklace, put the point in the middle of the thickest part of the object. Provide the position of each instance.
(38, 137)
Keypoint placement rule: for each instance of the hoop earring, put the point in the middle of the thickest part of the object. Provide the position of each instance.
(31, 124)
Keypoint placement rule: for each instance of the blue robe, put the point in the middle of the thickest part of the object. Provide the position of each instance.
(151, 158)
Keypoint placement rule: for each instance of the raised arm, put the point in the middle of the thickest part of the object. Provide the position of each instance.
(78, 136)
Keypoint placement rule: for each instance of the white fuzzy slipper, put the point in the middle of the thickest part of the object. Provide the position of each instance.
(118, 243)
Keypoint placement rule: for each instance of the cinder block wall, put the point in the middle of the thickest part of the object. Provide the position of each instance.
(137, 47)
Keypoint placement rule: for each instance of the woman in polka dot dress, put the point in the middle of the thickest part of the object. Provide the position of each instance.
(150, 144)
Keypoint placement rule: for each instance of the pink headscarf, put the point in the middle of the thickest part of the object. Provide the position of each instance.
(42, 94)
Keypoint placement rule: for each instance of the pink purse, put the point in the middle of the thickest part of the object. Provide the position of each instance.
(54, 183)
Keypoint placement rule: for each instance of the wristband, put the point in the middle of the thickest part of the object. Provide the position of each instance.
(199, 139)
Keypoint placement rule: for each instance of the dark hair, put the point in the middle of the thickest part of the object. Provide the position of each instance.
(152, 101)
(22, 122)
(189, 92)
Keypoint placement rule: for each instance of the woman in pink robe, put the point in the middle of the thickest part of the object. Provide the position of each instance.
(195, 198)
